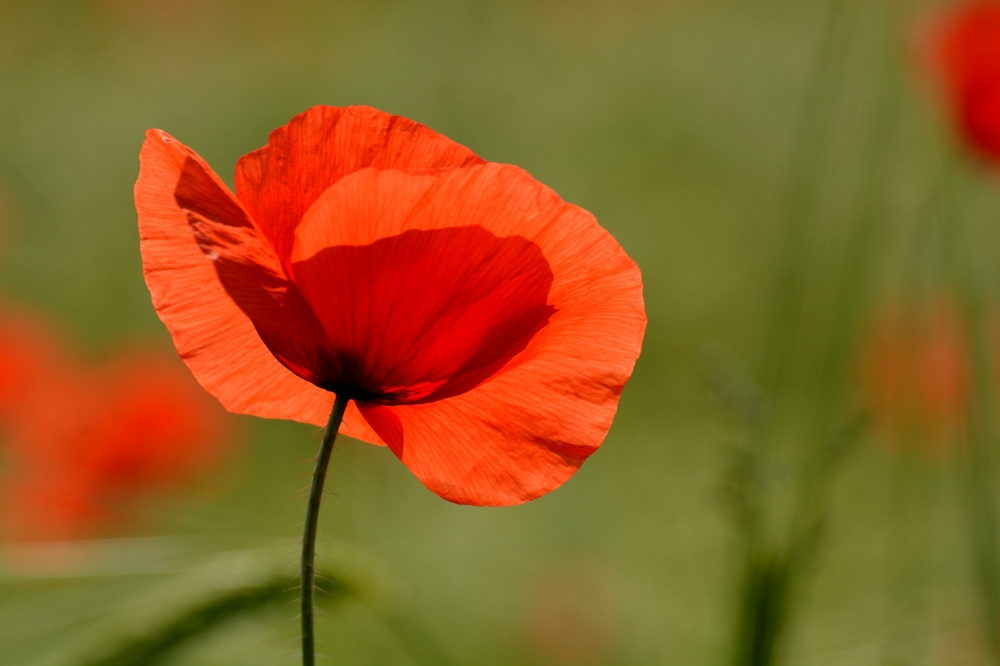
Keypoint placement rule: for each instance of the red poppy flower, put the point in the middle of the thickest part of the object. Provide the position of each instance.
(965, 49)
(87, 441)
(155, 427)
(28, 354)
(483, 327)
(915, 373)
(52, 507)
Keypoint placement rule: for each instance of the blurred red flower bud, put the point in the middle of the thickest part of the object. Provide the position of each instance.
(915, 372)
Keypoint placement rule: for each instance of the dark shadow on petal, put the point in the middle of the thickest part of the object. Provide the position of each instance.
(253, 277)
(427, 314)
(306, 358)
(198, 192)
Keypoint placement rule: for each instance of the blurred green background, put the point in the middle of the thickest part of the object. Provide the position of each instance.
(671, 120)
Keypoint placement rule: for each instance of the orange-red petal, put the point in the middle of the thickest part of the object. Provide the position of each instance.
(253, 277)
(279, 182)
(213, 336)
(426, 313)
(523, 432)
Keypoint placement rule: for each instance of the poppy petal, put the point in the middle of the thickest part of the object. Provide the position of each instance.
(524, 431)
(279, 182)
(427, 313)
(253, 276)
(213, 336)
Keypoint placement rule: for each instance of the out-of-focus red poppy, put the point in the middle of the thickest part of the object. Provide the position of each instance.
(915, 373)
(157, 427)
(28, 354)
(52, 506)
(82, 442)
(483, 327)
(965, 51)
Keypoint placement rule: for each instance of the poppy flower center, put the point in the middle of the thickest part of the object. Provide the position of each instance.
(423, 315)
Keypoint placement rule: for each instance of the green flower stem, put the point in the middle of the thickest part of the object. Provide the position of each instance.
(308, 575)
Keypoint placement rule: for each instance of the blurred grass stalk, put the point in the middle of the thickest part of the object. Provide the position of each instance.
(965, 273)
(203, 593)
(785, 473)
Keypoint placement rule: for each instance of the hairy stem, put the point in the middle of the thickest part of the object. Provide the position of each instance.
(308, 575)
